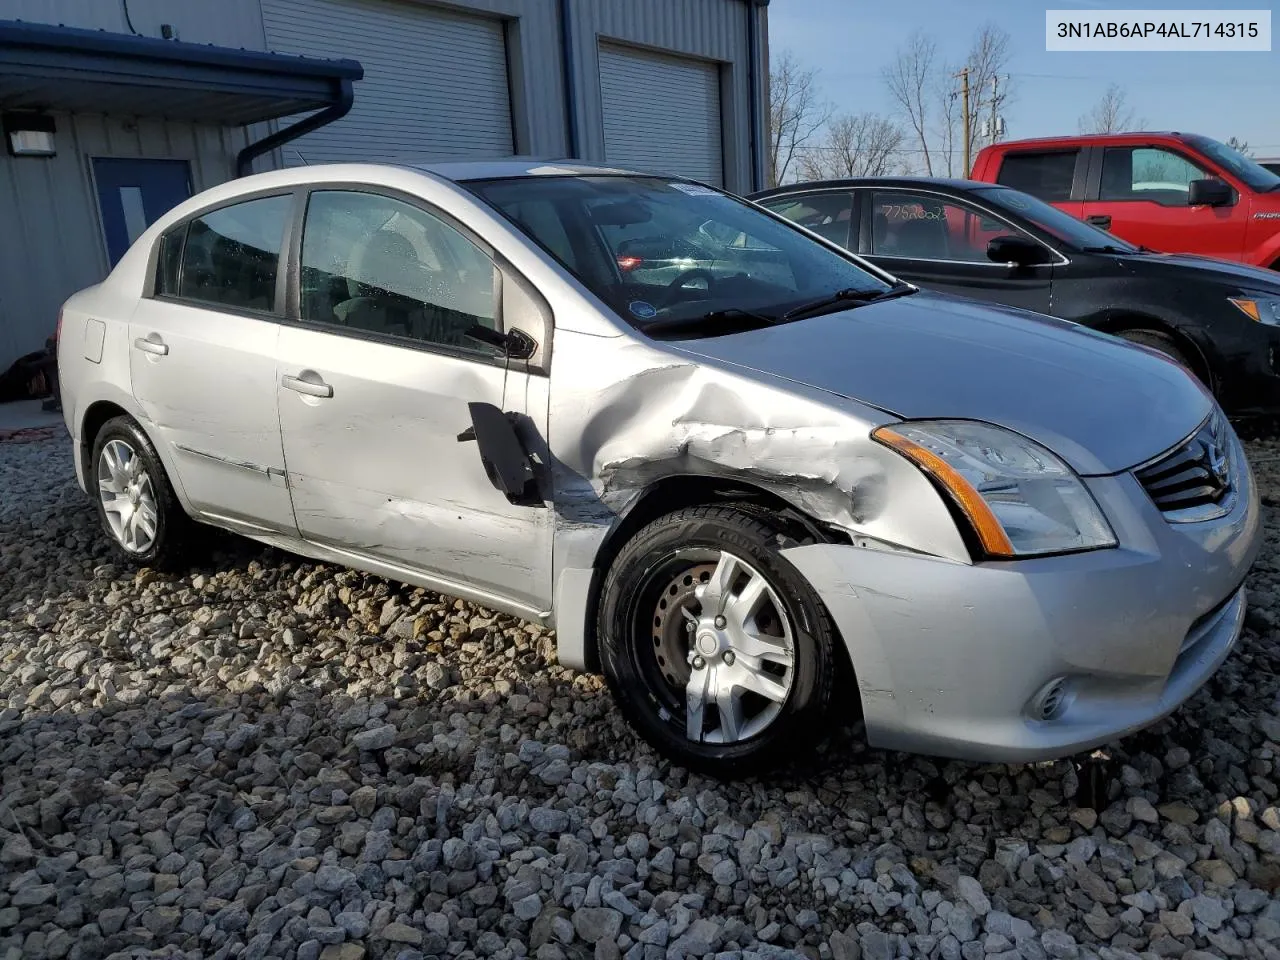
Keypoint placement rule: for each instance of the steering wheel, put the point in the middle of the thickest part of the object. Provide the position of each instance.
(676, 285)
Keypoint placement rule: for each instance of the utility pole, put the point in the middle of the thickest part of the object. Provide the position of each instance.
(995, 106)
(964, 97)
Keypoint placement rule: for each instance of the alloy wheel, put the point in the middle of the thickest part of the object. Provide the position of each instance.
(128, 497)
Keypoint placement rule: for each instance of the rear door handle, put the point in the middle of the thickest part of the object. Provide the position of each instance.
(312, 388)
(1099, 220)
(155, 347)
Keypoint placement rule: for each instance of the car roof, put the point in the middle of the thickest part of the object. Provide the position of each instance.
(946, 183)
(463, 170)
(1089, 138)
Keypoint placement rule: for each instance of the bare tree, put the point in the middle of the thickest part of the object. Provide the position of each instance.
(796, 113)
(1111, 114)
(1235, 143)
(926, 93)
(991, 87)
(912, 80)
(855, 145)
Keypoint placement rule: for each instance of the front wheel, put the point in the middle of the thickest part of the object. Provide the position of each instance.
(1161, 342)
(717, 651)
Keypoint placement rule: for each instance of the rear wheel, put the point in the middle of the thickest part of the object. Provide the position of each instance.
(717, 651)
(136, 503)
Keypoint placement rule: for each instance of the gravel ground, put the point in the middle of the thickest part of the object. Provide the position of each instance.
(268, 757)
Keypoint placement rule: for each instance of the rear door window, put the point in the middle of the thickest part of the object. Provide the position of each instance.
(826, 214)
(232, 255)
(1047, 175)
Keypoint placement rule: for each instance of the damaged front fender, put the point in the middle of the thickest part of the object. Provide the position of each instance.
(631, 415)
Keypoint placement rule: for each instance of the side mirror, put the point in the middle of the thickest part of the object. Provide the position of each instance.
(1210, 192)
(515, 343)
(1016, 250)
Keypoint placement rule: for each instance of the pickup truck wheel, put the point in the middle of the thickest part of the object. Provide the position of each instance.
(136, 504)
(715, 648)
(1162, 342)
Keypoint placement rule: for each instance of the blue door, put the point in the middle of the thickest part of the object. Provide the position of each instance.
(133, 194)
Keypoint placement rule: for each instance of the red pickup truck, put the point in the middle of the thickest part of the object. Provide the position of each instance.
(1172, 192)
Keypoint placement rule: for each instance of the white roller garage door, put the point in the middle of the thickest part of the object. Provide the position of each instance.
(661, 113)
(434, 87)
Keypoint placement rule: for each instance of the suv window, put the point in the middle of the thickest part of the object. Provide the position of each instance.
(380, 265)
(929, 227)
(1044, 175)
(1147, 173)
(231, 255)
(826, 214)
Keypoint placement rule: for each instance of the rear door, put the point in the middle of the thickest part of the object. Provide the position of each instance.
(1140, 193)
(375, 380)
(202, 360)
(1055, 176)
(940, 242)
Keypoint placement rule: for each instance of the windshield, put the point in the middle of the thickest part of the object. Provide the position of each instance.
(1250, 171)
(661, 251)
(1053, 221)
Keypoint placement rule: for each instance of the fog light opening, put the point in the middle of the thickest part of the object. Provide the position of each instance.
(1051, 700)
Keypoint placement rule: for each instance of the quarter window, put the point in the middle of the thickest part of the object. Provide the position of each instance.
(232, 255)
(1147, 173)
(378, 265)
(1044, 175)
(169, 263)
(927, 227)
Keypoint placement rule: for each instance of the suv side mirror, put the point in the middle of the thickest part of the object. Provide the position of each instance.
(1210, 192)
(1016, 250)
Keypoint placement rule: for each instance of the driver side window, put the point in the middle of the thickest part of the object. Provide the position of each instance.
(378, 265)
(929, 227)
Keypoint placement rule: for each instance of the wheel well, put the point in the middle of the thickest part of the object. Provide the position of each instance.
(97, 414)
(676, 493)
(1189, 348)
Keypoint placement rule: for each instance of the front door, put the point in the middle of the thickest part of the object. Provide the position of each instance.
(1142, 197)
(940, 243)
(374, 386)
(133, 194)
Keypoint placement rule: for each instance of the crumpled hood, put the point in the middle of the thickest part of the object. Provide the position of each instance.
(1099, 403)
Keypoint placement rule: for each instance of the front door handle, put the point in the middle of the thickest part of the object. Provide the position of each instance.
(1099, 220)
(156, 347)
(312, 388)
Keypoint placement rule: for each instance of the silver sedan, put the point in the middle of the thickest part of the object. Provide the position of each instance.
(760, 498)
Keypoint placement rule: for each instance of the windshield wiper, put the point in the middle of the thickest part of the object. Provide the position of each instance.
(1111, 248)
(730, 318)
(841, 298)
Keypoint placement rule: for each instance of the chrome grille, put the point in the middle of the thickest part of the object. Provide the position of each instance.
(1196, 479)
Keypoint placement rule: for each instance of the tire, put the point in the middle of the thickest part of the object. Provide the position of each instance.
(147, 495)
(1161, 342)
(667, 575)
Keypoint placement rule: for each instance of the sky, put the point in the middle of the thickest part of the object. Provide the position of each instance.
(849, 42)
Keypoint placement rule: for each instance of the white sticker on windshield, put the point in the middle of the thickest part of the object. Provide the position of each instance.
(694, 189)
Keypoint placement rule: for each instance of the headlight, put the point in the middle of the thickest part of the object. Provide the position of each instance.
(1021, 499)
(1261, 309)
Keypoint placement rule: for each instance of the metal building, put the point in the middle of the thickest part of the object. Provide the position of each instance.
(115, 110)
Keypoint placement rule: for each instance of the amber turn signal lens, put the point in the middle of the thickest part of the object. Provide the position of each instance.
(1248, 307)
(991, 535)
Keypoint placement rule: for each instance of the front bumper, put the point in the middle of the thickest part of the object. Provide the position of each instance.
(952, 659)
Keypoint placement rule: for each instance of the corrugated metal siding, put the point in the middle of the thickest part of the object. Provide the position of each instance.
(661, 113)
(435, 82)
(708, 29)
(50, 204)
(226, 23)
